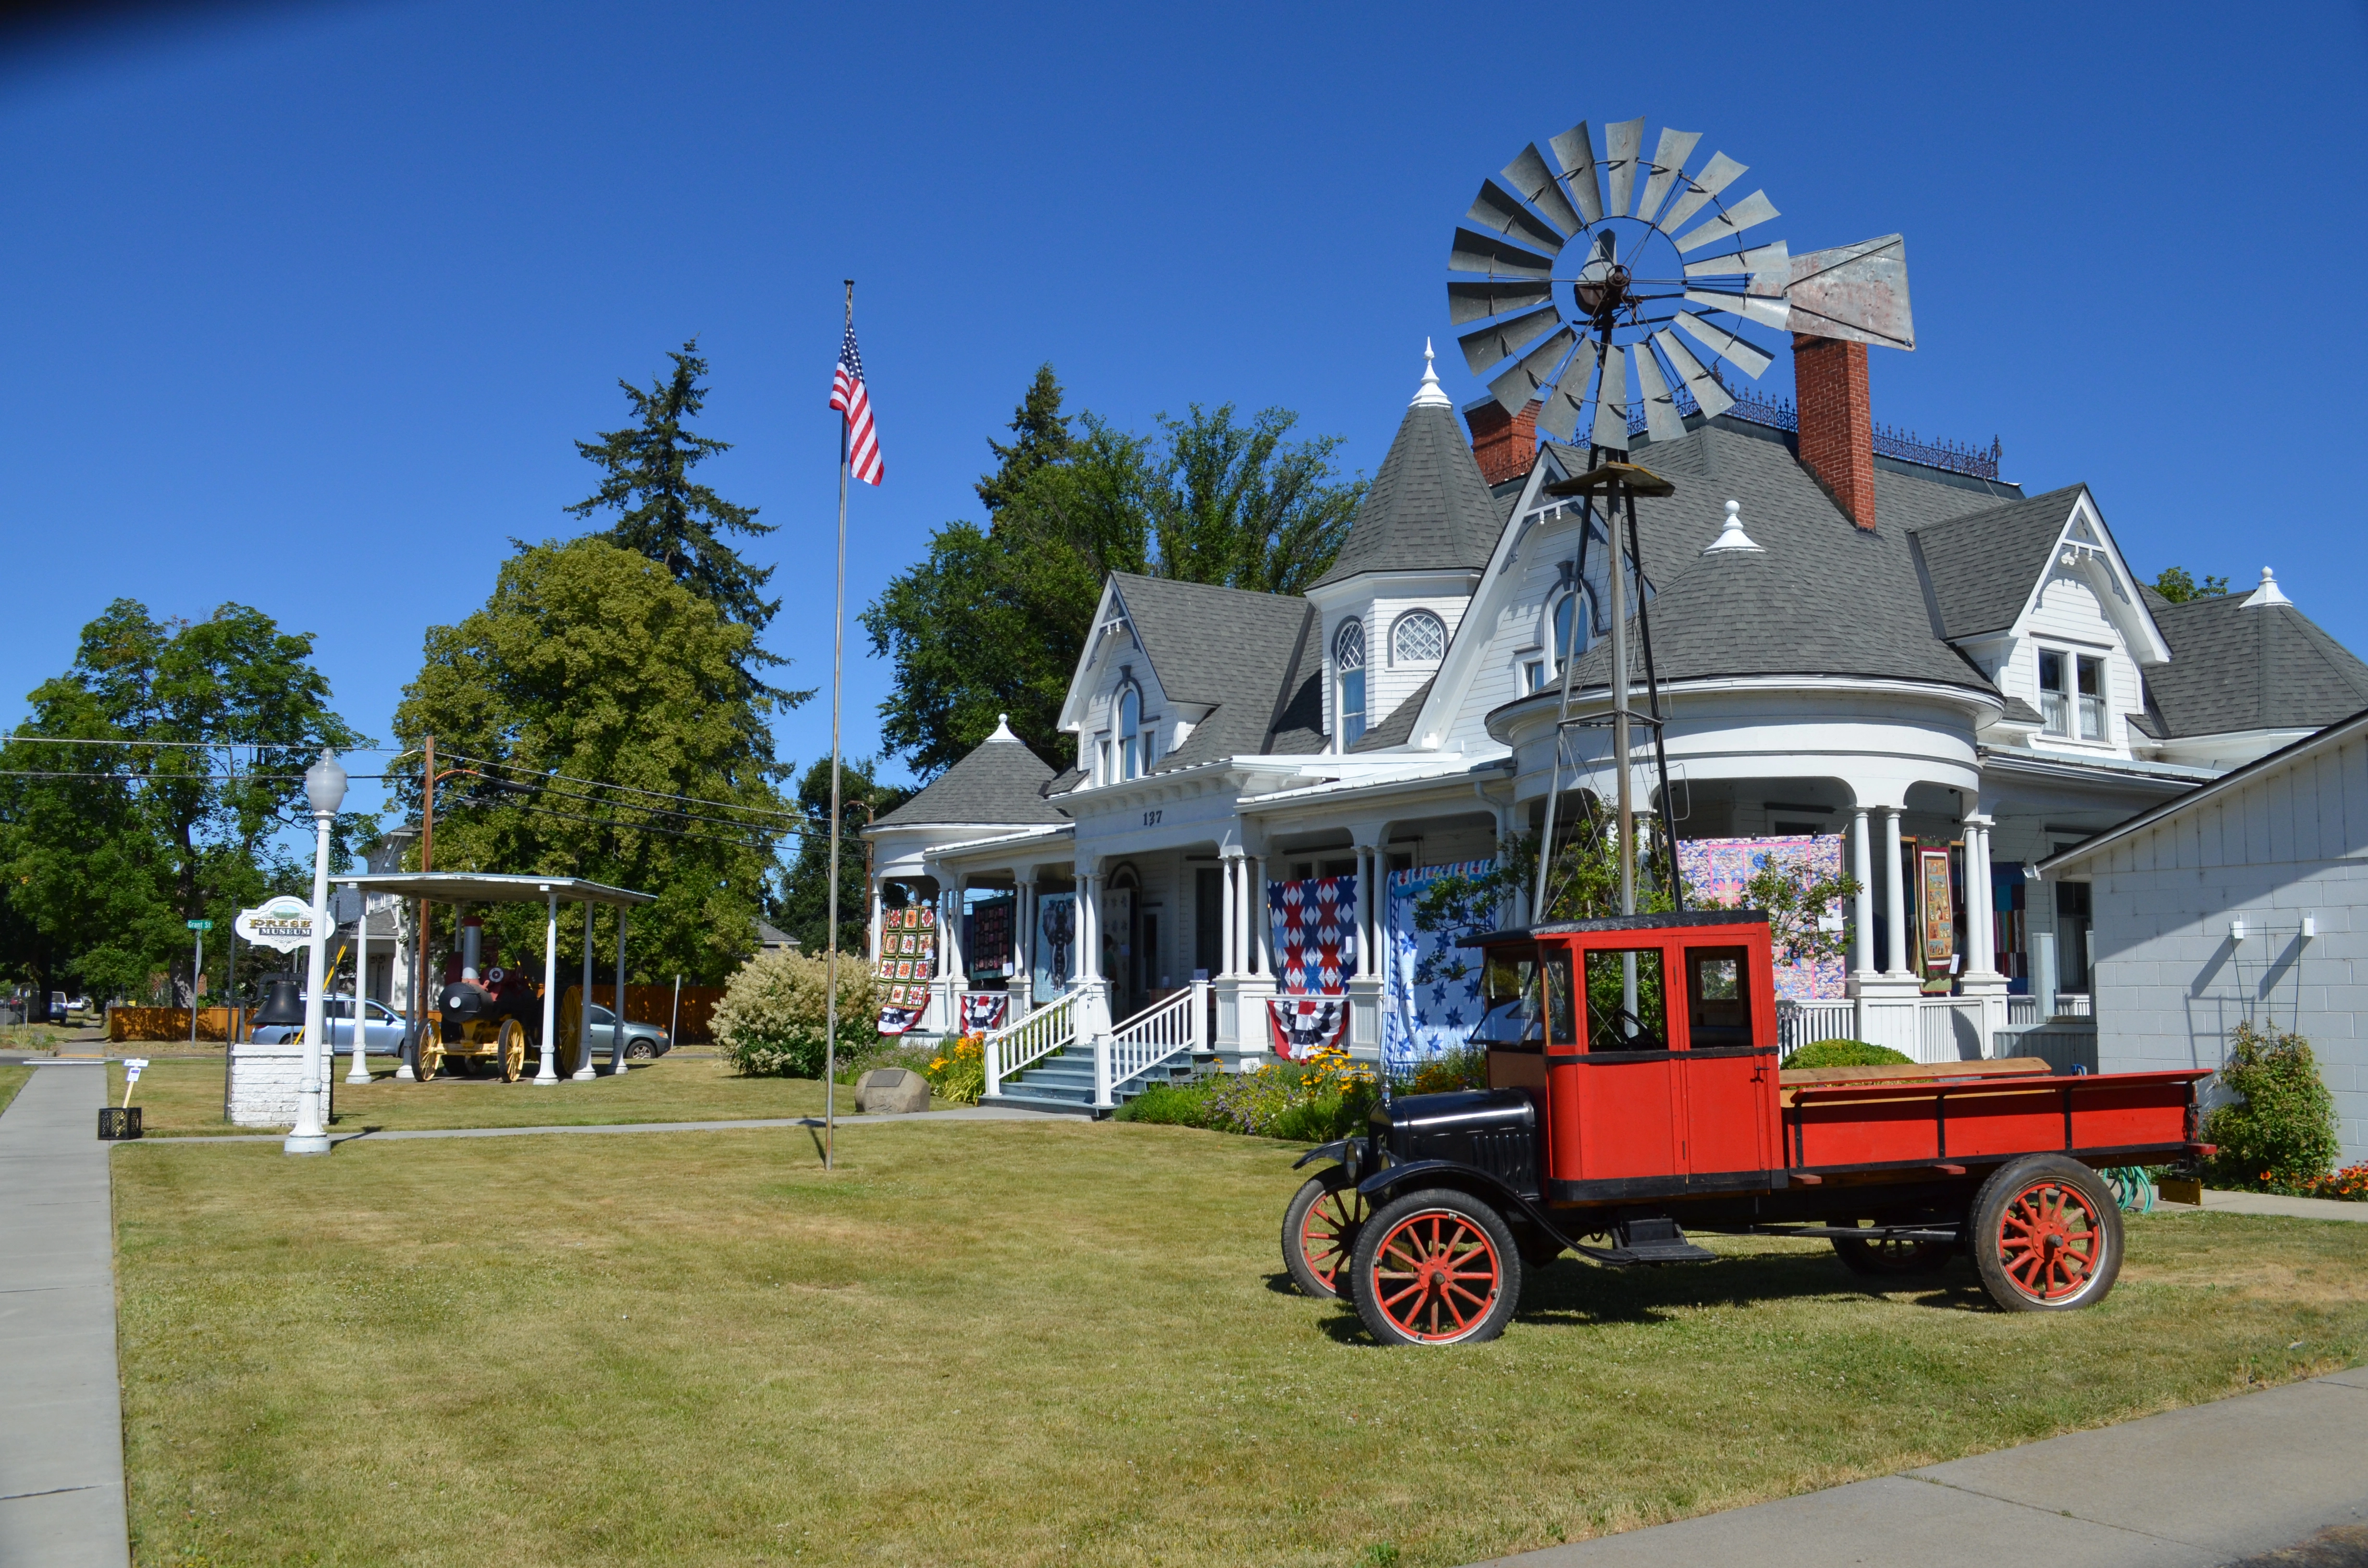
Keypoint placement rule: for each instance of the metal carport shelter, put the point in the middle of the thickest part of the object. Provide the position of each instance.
(487, 887)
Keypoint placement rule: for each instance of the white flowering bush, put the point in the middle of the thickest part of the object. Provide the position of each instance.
(770, 1021)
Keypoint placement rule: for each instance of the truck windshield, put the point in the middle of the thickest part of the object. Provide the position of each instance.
(1512, 1016)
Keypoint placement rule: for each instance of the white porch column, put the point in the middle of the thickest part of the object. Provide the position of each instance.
(617, 1035)
(1364, 964)
(359, 1072)
(871, 929)
(583, 1013)
(1023, 945)
(547, 1070)
(1862, 909)
(1980, 919)
(1229, 958)
(1262, 925)
(1895, 903)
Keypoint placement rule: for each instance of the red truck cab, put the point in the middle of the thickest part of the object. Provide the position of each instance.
(1634, 1087)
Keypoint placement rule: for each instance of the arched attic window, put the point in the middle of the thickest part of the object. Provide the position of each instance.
(1417, 637)
(1130, 730)
(1349, 661)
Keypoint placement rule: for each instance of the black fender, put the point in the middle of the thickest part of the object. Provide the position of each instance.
(1336, 1151)
(1389, 1181)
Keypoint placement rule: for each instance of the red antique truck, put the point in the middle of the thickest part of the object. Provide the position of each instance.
(1633, 1090)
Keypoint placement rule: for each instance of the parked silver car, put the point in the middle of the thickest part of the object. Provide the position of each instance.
(643, 1042)
(382, 1027)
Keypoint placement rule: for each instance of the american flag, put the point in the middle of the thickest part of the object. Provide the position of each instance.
(847, 393)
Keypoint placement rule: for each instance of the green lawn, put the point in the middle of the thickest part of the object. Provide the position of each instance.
(185, 1098)
(12, 1078)
(1035, 1343)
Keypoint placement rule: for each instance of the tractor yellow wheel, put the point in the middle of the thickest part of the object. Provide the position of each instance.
(431, 1059)
(511, 1050)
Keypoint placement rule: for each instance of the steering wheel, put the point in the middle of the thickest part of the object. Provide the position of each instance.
(1632, 1033)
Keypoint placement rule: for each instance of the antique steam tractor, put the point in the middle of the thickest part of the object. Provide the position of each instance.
(483, 1019)
(1634, 1091)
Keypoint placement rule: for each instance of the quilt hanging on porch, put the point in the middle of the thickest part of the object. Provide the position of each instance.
(908, 946)
(1431, 988)
(1315, 941)
(1716, 870)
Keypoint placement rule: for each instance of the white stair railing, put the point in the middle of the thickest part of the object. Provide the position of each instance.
(1039, 1035)
(1148, 1039)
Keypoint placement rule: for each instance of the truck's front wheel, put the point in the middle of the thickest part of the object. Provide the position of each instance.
(2047, 1235)
(1436, 1268)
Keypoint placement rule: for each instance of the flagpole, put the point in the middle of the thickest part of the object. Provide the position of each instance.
(837, 671)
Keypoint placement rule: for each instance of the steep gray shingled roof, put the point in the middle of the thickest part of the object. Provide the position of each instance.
(1983, 566)
(1824, 598)
(999, 784)
(2231, 668)
(1251, 657)
(1394, 730)
(1428, 509)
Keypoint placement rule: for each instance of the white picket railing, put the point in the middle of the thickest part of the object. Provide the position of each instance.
(1798, 1023)
(1148, 1039)
(1033, 1038)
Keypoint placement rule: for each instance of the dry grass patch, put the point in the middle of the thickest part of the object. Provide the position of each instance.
(1034, 1343)
(12, 1078)
(184, 1098)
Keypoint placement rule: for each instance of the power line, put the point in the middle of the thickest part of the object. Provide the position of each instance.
(179, 777)
(660, 811)
(643, 827)
(628, 789)
(200, 746)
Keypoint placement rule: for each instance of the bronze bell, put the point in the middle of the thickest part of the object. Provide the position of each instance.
(285, 1004)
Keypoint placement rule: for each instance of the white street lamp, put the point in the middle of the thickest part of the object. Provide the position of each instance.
(325, 788)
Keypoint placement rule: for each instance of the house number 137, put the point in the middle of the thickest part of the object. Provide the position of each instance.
(1151, 819)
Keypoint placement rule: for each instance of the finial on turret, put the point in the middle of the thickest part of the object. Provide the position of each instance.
(1731, 536)
(1430, 394)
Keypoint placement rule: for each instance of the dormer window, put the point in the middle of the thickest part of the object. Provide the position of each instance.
(2072, 687)
(1348, 662)
(1130, 732)
(1417, 637)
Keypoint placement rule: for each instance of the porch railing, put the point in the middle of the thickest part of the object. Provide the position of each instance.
(1148, 1039)
(1039, 1035)
(1798, 1023)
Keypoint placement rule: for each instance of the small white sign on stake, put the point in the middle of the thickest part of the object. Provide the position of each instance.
(131, 1065)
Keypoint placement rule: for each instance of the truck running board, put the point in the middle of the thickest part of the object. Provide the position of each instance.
(1648, 1241)
(1863, 1233)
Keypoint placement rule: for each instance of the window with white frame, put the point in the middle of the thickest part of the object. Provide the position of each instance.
(1569, 629)
(1130, 728)
(2072, 691)
(1349, 663)
(1417, 637)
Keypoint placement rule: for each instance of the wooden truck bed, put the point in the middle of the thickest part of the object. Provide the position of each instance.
(1982, 1112)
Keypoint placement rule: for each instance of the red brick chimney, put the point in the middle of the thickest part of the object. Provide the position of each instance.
(1505, 444)
(1836, 422)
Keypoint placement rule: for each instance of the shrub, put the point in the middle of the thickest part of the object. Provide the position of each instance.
(1846, 1053)
(770, 1021)
(2282, 1132)
(959, 1072)
(1171, 1105)
(1324, 1098)
(1465, 1068)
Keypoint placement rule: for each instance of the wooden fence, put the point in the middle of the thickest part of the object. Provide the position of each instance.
(165, 1025)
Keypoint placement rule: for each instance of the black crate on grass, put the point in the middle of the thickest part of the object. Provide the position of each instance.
(118, 1121)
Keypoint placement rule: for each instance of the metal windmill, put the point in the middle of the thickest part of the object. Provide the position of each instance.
(1603, 283)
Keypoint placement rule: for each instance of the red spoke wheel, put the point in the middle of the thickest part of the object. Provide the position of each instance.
(1436, 1268)
(2047, 1235)
(1319, 1233)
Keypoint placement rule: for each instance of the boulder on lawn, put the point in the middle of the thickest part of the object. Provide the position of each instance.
(897, 1090)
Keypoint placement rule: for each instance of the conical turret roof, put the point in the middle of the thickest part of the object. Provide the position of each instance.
(1429, 509)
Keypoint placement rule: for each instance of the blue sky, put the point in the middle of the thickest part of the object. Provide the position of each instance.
(304, 306)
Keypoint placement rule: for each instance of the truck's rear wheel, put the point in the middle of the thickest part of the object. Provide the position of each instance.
(1436, 1268)
(1319, 1233)
(2047, 1235)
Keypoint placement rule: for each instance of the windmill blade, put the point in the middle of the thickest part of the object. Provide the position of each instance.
(1740, 352)
(1611, 406)
(1519, 384)
(1534, 183)
(1712, 397)
(1770, 267)
(1622, 143)
(1496, 208)
(1717, 175)
(1575, 151)
(1474, 252)
(1668, 162)
(1753, 208)
(1558, 415)
(1768, 309)
(1661, 419)
(1477, 302)
(1487, 347)
(1858, 293)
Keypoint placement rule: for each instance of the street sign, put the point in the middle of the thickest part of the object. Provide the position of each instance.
(284, 923)
(201, 925)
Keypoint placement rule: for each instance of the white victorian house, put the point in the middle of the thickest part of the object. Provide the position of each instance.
(1951, 685)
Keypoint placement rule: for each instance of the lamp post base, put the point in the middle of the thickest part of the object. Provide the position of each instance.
(358, 1075)
(303, 1143)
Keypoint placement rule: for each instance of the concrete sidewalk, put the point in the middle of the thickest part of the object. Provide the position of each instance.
(2194, 1488)
(60, 1412)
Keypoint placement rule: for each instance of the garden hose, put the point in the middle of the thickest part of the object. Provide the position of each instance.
(2131, 1187)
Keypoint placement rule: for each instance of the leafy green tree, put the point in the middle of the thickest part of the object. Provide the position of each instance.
(108, 849)
(2175, 586)
(804, 907)
(2281, 1131)
(992, 621)
(600, 705)
(671, 518)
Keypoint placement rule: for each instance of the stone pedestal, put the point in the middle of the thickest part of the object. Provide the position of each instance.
(265, 1081)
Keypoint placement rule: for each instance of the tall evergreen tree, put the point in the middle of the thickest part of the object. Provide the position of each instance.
(671, 519)
(1042, 436)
